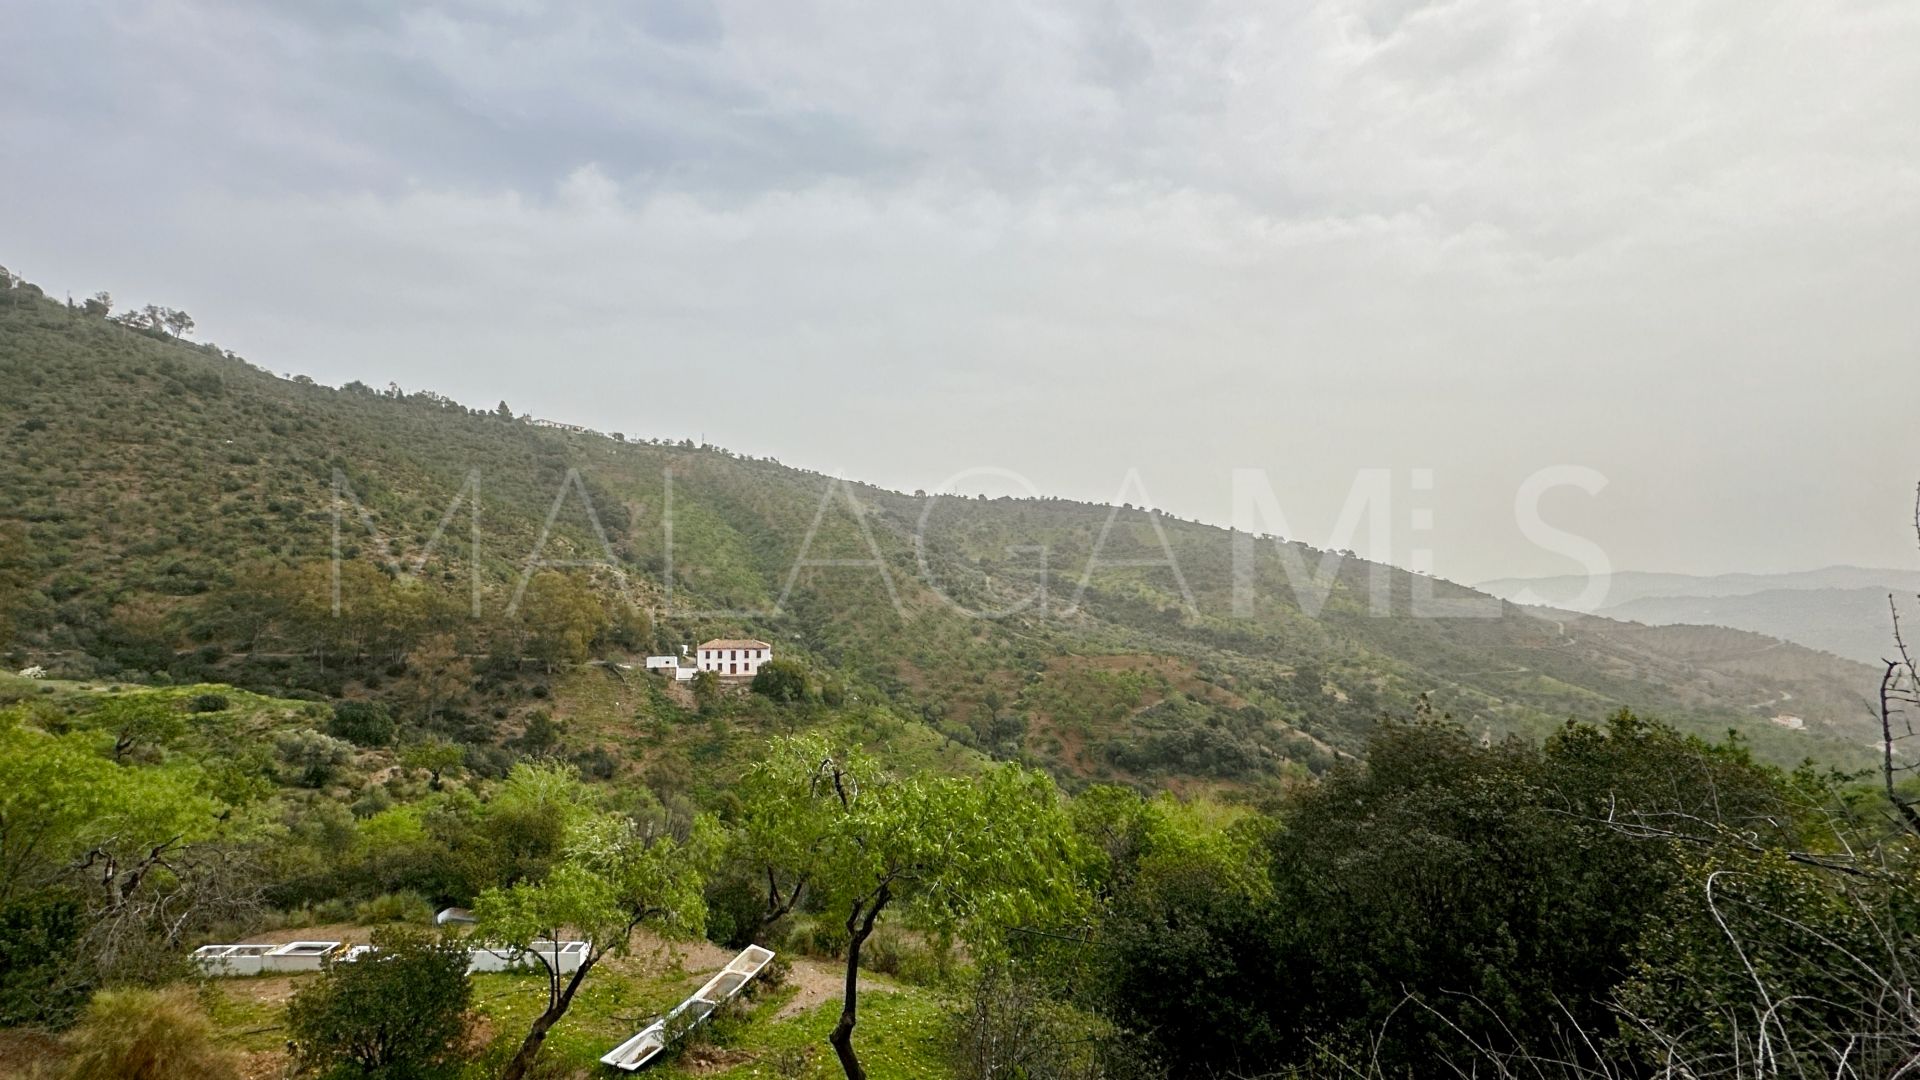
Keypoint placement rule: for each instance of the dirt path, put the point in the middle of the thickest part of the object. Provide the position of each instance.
(816, 982)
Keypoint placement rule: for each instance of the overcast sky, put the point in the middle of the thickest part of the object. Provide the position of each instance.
(1673, 241)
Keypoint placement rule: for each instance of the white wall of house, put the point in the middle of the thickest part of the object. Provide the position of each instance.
(742, 658)
(656, 663)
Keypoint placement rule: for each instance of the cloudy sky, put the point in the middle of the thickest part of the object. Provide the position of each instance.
(1676, 242)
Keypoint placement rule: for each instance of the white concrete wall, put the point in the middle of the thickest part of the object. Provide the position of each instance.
(742, 662)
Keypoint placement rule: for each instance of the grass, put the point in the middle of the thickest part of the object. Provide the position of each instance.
(899, 1033)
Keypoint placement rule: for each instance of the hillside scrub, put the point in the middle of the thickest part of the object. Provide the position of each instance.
(171, 512)
(220, 748)
(1485, 903)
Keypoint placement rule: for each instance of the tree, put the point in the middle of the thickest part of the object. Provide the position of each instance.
(541, 737)
(1899, 700)
(502, 411)
(99, 305)
(435, 756)
(613, 877)
(1186, 926)
(978, 854)
(137, 720)
(782, 680)
(177, 322)
(706, 689)
(364, 723)
(315, 757)
(146, 849)
(64, 808)
(398, 1013)
(441, 673)
(559, 618)
(1452, 898)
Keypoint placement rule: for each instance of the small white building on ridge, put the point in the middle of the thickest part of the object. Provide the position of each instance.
(732, 656)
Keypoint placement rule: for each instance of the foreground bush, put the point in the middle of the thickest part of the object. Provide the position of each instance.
(1013, 1027)
(147, 1035)
(41, 979)
(400, 1013)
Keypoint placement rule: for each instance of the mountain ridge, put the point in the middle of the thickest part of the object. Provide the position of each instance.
(1627, 586)
(173, 510)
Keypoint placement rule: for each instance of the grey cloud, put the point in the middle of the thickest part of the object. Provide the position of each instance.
(1669, 239)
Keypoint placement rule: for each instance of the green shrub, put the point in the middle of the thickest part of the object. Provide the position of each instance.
(206, 703)
(902, 954)
(818, 937)
(364, 723)
(39, 938)
(314, 758)
(406, 906)
(783, 680)
(734, 907)
(147, 1035)
(400, 1014)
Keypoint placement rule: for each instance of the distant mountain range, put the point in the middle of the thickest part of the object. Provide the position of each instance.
(1838, 609)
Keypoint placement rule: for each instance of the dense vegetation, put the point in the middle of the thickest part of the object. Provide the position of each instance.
(1615, 898)
(1130, 839)
(170, 512)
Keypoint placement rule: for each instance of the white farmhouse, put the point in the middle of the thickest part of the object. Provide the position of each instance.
(732, 656)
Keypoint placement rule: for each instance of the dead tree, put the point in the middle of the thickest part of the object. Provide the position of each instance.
(1899, 699)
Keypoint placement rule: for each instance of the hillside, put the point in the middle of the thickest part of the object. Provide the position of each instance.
(169, 510)
(1629, 586)
(329, 805)
(1853, 623)
(1839, 609)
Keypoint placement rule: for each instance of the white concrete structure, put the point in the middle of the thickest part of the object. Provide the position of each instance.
(732, 656)
(232, 959)
(564, 957)
(254, 958)
(722, 988)
(661, 663)
(299, 956)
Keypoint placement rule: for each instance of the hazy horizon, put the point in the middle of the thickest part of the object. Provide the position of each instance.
(1671, 244)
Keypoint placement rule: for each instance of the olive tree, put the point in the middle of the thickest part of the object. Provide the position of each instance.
(974, 854)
